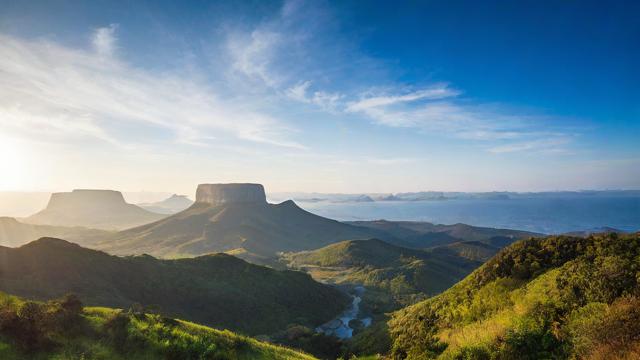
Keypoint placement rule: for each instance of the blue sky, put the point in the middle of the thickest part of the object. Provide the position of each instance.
(320, 96)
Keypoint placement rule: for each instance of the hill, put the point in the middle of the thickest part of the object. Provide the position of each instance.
(64, 329)
(218, 290)
(402, 273)
(420, 235)
(15, 233)
(171, 205)
(472, 250)
(555, 297)
(234, 218)
(98, 209)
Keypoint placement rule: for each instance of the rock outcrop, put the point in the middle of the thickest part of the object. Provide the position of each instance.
(100, 209)
(219, 194)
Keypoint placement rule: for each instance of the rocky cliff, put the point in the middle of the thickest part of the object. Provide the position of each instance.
(219, 194)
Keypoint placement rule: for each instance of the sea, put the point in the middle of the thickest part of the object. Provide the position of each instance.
(548, 215)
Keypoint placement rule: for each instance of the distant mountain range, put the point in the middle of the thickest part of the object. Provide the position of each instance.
(421, 235)
(444, 195)
(99, 209)
(218, 290)
(171, 205)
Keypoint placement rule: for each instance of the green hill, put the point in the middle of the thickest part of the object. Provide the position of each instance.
(420, 234)
(548, 298)
(64, 329)
(15, 233)
(472, 250)
(402, 273)
(218, 290)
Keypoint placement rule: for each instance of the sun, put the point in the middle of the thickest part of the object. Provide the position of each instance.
(14, 164)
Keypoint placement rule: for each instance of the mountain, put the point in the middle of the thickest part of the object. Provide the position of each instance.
(218, 290)
(65, 329)
(171, 205)
(557, 297)
(401, 273)
(420, 235)
(234, 218)
(98, 209)
(14, 233)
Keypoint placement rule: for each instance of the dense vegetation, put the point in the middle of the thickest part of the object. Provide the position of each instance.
(217, 290)
(557, 297)
(64, 329)
(402, 275)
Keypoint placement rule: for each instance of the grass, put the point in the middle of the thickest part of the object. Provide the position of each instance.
(105, 333)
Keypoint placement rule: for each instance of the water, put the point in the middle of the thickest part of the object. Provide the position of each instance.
(339, 327)
(550, 215)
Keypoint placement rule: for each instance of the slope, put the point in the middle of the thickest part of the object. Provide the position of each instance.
(15, 233)
(64, 329)
(554, 297)
(218, 290)
(402, 273)
(254, 231)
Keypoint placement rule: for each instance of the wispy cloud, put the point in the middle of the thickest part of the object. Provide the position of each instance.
(438, 91)
(50, 89)
(552, 145)
(104, 40)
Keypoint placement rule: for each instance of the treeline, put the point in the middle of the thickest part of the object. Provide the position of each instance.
(556, 297)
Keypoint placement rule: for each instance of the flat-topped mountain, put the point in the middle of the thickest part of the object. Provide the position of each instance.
(220, 194)
(237, 219)
(100, 209)
(218, 290)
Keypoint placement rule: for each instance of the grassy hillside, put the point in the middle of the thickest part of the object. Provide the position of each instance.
(404, 274)
(420, 235)
(252, 231)
(63, 329)
(15, 233)
(555, 297)
(218, 290)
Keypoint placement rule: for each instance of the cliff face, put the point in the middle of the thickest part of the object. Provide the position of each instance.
(218, 194)
(86, 199)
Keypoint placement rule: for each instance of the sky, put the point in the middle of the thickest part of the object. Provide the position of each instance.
(326, 96)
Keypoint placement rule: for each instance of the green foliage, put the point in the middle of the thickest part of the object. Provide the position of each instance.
(218, 290)
(551, 298)
(403, 275)
(102, 333)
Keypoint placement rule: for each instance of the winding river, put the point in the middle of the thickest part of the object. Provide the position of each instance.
(339, 326)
